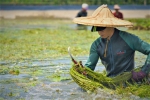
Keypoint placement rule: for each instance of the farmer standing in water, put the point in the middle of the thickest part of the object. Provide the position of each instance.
(115, 48)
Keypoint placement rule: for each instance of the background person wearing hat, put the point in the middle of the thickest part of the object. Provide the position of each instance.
(117, 13)
(82, 13)
(114, 47)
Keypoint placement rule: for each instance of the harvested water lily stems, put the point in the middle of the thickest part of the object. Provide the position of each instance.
(91, 81)
(85, 77)
(83, 81)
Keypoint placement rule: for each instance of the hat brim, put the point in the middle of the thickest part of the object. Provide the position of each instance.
(103, 22)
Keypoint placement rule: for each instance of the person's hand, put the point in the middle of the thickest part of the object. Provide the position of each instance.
(138, 76)
(83, 72)
(79, 64)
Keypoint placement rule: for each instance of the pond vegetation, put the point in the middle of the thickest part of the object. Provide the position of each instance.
(29, 48)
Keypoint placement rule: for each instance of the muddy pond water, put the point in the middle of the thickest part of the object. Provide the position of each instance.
(40, 80)
(47, 79)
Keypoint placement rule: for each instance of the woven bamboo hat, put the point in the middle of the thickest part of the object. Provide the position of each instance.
(103, 17)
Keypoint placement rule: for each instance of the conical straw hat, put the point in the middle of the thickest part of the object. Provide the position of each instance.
(102, 16)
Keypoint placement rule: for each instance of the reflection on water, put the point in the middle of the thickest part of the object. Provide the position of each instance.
(45, 79)
(56, 91)
(35, 81)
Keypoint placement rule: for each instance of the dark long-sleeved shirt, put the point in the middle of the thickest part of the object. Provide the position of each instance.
(120, 52)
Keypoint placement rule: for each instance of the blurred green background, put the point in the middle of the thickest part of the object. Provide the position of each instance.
(75, 2)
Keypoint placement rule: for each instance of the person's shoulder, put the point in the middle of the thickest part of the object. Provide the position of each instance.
(79, 12)
(126, 34)
(120, 12)
(95, 44)
(97, 41)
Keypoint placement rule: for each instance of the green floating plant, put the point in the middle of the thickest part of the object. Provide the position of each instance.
(58, 76)
(91, 81)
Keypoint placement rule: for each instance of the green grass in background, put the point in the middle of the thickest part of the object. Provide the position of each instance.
(49, 42)
(140, 23)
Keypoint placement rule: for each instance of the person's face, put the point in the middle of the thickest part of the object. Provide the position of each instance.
(116, 10)
(107, 32)
(84, 9)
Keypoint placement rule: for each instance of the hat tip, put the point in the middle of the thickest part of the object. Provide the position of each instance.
(104, 5)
